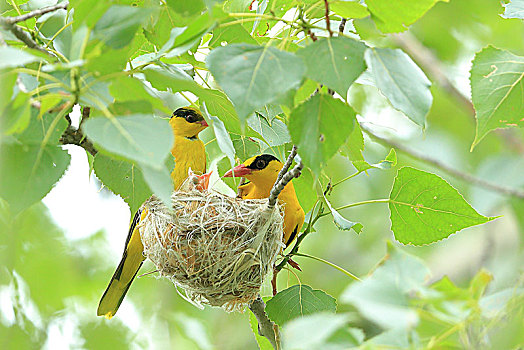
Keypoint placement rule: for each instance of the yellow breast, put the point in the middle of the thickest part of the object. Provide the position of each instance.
(188, 153)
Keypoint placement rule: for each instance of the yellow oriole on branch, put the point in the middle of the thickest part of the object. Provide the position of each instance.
(262, 172)
(189, 152)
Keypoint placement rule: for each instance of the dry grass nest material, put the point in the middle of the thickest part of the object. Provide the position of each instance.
(217, 250)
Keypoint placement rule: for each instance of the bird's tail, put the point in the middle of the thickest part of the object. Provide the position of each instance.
(126, 271)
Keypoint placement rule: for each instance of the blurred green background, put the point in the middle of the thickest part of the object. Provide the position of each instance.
(52, 274)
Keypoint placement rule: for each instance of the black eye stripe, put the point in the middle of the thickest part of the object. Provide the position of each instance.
(189, 115)
(262, 161)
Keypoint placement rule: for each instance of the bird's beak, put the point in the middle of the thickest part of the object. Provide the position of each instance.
(238, 171)
(204, 123)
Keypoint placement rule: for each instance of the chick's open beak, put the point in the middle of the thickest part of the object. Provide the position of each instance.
(238, 171)
(203, 122)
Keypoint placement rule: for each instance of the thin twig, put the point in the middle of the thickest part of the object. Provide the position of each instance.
(22, 36)
(507, 191)
(36, 13)
(328, 23)
(279, 186)
(266, 327)
(286, 166)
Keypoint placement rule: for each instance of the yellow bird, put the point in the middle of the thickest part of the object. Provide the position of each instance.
(189, 152)
(262, 172)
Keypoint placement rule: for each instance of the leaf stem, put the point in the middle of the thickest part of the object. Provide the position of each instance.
(347, 178)
(356, 204)
(347, 273)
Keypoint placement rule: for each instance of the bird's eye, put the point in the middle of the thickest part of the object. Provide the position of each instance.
(191, 118)
(261, 164)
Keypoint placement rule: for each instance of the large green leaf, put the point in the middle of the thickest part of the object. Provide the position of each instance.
(514, 9)
(319, 127)
(253, 76)
(402, 82)
(314, 331)
(29, 170)
(334, 62)
(395, 16)
(123, 178)
(497, 90)
(383, 296)
(349, 9)
(12, 57)
(274, 133)
(231, 34)
(297, 301)
(118, 25)
(425, 208)
(140, 137)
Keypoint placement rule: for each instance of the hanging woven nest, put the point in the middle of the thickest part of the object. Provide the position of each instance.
(217, 250)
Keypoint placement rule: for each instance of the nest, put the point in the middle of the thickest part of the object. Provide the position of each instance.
(216, 249)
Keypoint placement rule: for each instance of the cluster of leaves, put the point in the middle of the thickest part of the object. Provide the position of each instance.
(266, 77)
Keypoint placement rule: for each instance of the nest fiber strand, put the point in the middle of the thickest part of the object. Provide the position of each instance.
(216, 249)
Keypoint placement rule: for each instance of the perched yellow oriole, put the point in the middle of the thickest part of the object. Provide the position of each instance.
(262, 172)
(188, 151)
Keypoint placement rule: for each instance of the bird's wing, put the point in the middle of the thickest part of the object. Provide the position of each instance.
(125, 272)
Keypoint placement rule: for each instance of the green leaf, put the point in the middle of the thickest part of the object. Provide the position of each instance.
(262, 342)
(186, 8)
(231, 34)
(245, 147)
(319, 127)
(17, 114)
(253, 76)
(314, 331)
(335, 62)
(383, 296)
(139, 137)
(402, 82)
(118, 25)
(7, 84)
(425, 208)
(497, 90)
(341, 222)
(171, 77)
(514, 9)
(122, 178)
(191, 35)
(395, 16)
(222, 136)
(29, 170)
(298, 301)
(159, 182)
(354, 145)
(11, 57)
(349, 9)
(387, 163)
(274, 134)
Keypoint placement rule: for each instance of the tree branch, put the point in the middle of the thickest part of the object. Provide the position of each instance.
(36, 13)
(328, 23)
(284, 177)
(9, 23)
(72, 136)
(507, 191)
(22, 36)
(266, 327)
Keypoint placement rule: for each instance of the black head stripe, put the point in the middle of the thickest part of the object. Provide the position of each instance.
(262, 161)
(188, 114)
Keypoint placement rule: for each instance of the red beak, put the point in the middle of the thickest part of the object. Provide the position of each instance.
(238, 171)
(204, 123)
